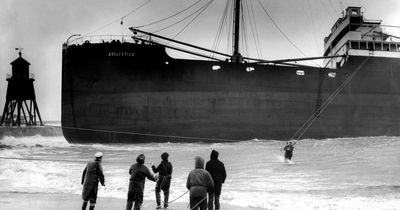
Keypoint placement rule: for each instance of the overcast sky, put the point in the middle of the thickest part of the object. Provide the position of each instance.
(41, 26)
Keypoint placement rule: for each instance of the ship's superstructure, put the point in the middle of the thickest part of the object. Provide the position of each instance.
(133, 91)
(352, 35)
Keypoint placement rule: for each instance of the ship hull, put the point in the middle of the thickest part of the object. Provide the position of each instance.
(131, 93)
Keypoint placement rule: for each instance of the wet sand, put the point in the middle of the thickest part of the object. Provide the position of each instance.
(39, 201)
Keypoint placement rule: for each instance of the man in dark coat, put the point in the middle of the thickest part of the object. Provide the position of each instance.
(139, 172)
(199, 182)
(218, 173)
(91, 176)
(164, 170)
(289, 150)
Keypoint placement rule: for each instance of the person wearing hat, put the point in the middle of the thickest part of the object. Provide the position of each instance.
(138, 174)
(92, 174)
(217, 170)
(164, 170)
(199, 182)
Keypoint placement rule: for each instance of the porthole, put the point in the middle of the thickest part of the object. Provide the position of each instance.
(249, 69)
(332, 74)
(300, 72)
(216, 67)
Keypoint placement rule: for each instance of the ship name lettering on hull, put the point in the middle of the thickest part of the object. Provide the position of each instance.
(121, 54)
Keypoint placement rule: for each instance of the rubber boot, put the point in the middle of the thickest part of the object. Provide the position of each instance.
(129, 205)
(84, 204)
(91, 207)
(158, 198)
(166, 197)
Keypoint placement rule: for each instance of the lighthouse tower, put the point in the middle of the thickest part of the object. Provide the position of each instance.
(21, 106)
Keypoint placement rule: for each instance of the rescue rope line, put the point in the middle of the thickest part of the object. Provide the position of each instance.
(316, 114)
(195, 206)
(146, 134)
(178, 197)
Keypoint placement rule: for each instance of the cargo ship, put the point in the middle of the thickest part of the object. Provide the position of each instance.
(132, 91)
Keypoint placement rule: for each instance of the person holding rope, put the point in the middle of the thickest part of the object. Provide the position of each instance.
(217, 170)
(92, 174)
(164, 170)
(199, 183)
(288, 150)
(139, 172)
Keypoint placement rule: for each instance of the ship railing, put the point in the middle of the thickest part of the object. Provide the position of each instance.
(385, 46)
(100, 39)
(375, 45)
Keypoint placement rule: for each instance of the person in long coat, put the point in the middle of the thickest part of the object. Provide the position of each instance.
(138, 174)
(164, 170)
(217, 170)
(91, 176)
(199, 182)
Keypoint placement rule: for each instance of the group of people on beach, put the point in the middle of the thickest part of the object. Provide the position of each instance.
(202, 183)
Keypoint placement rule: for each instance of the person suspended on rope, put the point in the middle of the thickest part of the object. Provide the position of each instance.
(138, 174)
(199, 183)
(164, 170)
(288, 150)
(217, 170)
(92, 174)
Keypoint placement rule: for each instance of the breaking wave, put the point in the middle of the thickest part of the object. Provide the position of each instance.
(30, 131)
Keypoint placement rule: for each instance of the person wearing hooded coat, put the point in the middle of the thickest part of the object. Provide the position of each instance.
(217, 170)
(199, 182)
(164, 170)
(138, 174)
(92, 174)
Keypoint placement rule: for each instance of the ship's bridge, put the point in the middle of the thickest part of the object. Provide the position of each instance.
(353, 35)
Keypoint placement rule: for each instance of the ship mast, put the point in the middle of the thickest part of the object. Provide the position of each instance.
(236, 57)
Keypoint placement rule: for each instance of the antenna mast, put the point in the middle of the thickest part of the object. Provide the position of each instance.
(236, 57)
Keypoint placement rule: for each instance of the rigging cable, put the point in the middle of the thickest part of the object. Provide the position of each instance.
(330, 3)
(258, 44)
(244, 34)
(121, 18)
(169, 26)
(222, 22)
(280, 30)
(326, 9)
(253, 27)
(313, 25)
(171, 16)
(194, 18)
(229, 28)
(315, 116)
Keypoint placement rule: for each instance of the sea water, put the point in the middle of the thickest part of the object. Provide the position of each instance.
(345, 173)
